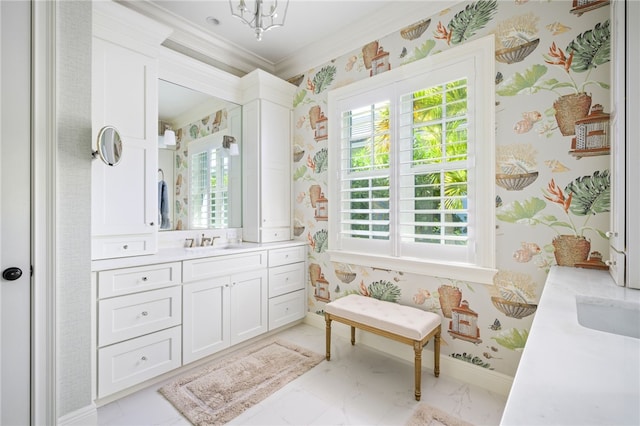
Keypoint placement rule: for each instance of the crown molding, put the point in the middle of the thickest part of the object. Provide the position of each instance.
(388, 19)
(188, 39)
(232, 58)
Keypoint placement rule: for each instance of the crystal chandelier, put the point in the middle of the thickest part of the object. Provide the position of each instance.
(259, 17)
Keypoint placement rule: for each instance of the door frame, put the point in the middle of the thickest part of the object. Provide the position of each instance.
(43, 216)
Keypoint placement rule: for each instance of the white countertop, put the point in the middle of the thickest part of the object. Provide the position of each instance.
(177, 254)
(570, 374)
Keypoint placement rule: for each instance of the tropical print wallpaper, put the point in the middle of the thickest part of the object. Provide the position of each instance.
(206, 126)
(552, 166)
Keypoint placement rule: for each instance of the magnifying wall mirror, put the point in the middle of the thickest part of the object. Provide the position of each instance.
(109, 146)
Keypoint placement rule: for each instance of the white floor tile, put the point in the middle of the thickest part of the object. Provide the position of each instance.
(359, 386)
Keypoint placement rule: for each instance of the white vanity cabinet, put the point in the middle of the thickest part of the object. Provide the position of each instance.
(267, 157)
(153, 319)
(124, 207)
(225, 302)
(139, 316)
(287, 295)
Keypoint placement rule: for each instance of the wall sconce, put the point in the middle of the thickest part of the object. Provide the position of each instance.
(166, 135)
(229, 143)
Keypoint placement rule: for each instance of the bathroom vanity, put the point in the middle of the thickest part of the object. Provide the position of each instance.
(155, 314)
(580, 364)
(156, 308)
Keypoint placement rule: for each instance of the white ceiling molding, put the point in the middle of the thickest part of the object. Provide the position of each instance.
(219, 52)
(193, 39)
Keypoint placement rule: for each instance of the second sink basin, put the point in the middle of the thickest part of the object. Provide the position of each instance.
(611, 316)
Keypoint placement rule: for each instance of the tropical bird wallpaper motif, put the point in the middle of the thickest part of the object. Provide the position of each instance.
(552, 166)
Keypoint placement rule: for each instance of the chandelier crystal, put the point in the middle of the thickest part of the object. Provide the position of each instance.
(259, 16)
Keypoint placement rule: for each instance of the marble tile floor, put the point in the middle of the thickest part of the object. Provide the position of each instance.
(359, 386)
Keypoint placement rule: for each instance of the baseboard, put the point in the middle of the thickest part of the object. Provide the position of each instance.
(450, 367)
(85, 416)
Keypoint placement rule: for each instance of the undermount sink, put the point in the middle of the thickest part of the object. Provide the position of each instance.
(611, 316)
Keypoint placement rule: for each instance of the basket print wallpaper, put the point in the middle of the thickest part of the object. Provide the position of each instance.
(552, 184)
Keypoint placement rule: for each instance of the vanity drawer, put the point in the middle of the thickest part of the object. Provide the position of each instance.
(118, 282)
(287, 255)
(286, 309)
(273, 235)
(108, 247)
(208, 267)
(125, 317)
(286, 278)
(134, 361)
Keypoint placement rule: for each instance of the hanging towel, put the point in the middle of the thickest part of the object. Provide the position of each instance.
(163, 205)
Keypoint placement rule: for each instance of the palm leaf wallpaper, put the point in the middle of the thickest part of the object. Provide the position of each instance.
(552, 172)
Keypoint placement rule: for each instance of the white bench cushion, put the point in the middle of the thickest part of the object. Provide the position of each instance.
(406, 321)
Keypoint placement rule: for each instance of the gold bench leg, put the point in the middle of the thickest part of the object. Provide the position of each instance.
(353, 335)
(436, 354)
(417, 347)
(328, 335)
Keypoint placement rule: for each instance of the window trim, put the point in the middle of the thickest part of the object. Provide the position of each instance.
(481, 52)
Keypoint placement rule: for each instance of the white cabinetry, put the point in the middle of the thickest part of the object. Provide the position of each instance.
(139, 314)
(225, 302)
(152, 319)
(124, 95)
(267, 158)
(287, 295)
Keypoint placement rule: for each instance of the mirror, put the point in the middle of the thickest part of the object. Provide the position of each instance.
(109, 146)
(200, 177)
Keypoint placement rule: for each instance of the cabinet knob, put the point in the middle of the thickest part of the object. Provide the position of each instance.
(145, 313)
(144, 358)
(145, 279)
(125, 246)
(152, 223)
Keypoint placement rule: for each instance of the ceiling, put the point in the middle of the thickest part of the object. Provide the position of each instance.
(314, 31)
(305, 22)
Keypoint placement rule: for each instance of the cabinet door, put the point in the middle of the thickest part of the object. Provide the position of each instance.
(249, 304)
(275, 161)
(206, 318)
(267, 172)
(124, 197)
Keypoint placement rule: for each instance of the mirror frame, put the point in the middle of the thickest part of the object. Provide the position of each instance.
(108, 148)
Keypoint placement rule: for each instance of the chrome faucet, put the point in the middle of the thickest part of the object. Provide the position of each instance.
(189, 242)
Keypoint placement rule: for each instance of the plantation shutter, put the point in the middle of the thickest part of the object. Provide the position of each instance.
(412, 166)
(365, 175)
(209, 189)
(433, 168)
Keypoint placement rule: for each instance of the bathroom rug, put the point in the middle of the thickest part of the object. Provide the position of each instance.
(221, 390)
(426, 415)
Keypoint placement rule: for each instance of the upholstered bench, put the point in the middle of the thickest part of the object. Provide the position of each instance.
(398, 322)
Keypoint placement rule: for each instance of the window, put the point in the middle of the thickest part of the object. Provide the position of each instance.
(413, 159)
(209, 184)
